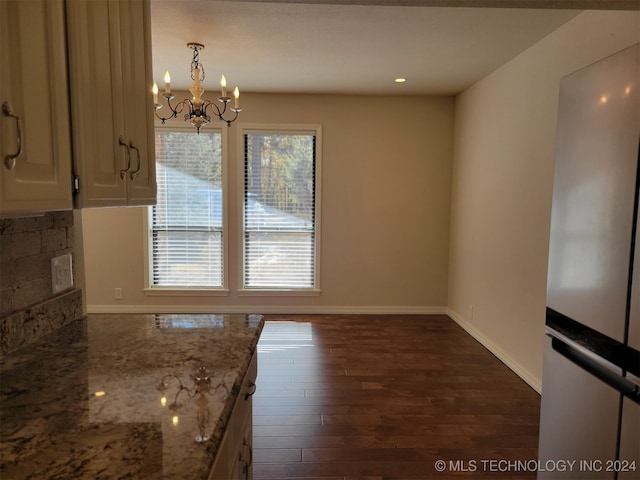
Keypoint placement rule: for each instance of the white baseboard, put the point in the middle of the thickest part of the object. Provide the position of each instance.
(524, 374)
(302, 310)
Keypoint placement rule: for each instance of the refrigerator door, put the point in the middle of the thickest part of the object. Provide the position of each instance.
(634, 310)
(630, 421)
(628, 465)
(590, 394)
(580, 421)
(594, 191)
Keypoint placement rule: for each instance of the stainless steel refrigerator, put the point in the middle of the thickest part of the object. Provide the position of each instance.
(590, 414)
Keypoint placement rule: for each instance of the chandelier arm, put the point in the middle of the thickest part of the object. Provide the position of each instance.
(220, 113)
(180, 384)
(215, 390)
(164, 119)
(214, 106)
(232, 119)
(175, 399)
(174, 111)
(191, 392)
(179, 106)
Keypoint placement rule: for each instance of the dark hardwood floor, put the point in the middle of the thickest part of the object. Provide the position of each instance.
(386, 397)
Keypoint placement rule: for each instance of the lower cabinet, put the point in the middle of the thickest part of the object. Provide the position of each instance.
(235, 455)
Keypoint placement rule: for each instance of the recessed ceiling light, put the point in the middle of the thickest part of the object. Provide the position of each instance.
(400, 80)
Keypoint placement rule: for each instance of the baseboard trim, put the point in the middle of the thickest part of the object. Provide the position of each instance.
(303, 310)
(497, 351)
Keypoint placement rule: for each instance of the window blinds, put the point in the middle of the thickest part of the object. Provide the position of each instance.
(187, 233)
(279, 210)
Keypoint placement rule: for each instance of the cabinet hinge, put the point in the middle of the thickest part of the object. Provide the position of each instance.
(76, 184)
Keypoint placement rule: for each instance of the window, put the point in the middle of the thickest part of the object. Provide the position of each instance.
(280, 208)
(187, 236)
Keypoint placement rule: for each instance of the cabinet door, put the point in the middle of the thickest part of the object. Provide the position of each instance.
(244, 463)
(94, 63)
(33, 82)
(112, 111)
(135, 35)
(234, 457)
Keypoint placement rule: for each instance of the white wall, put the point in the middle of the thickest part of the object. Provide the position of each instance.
(386, 176)
(502, 179)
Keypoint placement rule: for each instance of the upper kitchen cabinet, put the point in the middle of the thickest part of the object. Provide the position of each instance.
(109, 44)
(35, 142)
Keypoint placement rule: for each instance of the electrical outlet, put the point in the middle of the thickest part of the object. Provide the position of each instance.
(61, 273)
(470, 312)
(118, 293)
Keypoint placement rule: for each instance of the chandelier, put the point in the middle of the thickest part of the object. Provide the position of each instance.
(199, 111)
(201, 387)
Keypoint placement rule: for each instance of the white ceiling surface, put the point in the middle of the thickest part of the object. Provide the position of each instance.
(341, 48)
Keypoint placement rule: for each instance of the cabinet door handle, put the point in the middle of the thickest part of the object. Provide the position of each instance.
(125, 145)
(10, 160)
(252, 390)
(135, 172)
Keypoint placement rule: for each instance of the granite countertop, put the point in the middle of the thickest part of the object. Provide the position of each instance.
(83, 402)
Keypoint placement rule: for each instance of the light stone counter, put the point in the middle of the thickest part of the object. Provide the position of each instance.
(83, 402)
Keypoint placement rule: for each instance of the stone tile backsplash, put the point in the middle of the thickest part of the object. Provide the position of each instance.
(28, 309)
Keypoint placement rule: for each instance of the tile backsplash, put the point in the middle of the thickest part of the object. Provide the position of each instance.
(28, 308)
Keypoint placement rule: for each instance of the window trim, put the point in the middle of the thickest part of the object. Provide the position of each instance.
(191, 291)
(296, 129)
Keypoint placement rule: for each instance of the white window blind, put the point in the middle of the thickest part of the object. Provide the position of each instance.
(279, 210)
(187, 222)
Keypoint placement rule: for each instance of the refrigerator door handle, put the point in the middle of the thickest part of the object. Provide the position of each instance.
(618, 382)
(587, 352)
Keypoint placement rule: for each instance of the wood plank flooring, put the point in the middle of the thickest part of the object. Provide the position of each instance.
(385, 397)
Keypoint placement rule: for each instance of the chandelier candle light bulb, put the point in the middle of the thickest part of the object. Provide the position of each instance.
(236, 96)
(155, 93)
(167, 82)
(223, 84)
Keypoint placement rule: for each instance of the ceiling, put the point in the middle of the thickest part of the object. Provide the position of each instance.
(349, 47)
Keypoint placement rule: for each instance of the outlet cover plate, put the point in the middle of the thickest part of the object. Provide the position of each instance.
(61, 273)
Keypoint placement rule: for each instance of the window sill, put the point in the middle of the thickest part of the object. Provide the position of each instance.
(185, 292)
(262, 292)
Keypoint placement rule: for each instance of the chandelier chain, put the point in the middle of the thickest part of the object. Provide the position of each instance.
(195, 63)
